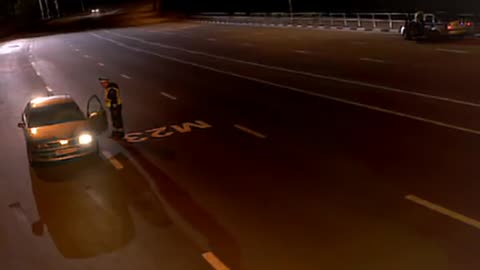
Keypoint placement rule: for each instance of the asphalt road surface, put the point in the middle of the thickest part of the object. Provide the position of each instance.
(249, 148)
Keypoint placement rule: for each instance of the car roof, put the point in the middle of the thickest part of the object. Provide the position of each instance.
(50, 100)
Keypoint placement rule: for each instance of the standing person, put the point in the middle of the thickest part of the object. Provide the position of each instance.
(113, 102)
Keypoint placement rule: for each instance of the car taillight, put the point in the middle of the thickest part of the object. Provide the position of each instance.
(449, 27)
(469, 24)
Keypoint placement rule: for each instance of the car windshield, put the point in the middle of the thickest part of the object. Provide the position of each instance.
(54, 114)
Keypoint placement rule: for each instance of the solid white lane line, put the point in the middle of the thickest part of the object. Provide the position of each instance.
(126, 76)
(168, 96)
(251, 132)
(303, 73)
(294, 89)
(373, 60)
(444, 211)
(452, 51)
(112, 160)
(101, 64)
(214, 261)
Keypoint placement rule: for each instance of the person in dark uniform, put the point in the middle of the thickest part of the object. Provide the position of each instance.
(113, 102)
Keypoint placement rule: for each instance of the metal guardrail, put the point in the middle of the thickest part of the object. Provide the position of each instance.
(378, 21)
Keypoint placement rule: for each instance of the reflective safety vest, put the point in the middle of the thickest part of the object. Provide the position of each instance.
(109, 100)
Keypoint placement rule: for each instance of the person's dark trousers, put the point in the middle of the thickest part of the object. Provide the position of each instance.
(117, 121)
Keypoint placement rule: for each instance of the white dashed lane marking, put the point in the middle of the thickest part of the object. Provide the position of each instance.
(77, 50)
(112, 160)
(126, 76)
(452, 51)
(214, 261)
(444, 211)
(251, 132)
(168, 96)
(373, 60)
(86, 56)
(301, 51)
(101, 64)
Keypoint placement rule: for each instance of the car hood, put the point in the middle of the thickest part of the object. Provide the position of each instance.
(60, 131)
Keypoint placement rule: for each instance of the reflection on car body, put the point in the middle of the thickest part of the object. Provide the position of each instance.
(56, 129)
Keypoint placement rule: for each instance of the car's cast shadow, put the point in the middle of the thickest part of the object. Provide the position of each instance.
(82, 206)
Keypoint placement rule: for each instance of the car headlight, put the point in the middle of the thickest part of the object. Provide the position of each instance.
(85, 139)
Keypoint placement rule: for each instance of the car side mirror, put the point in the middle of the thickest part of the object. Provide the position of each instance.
(21, 125)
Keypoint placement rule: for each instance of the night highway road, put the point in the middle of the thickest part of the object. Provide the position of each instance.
(248, 148)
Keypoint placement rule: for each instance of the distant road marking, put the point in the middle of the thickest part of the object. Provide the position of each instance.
(168, 96)
(295, 89)
(452, 51)
(303, 73)
(86, 56)
(211, 39)
(33, 63)
(444, 211)
(301, 51)
(77, 50)
(251, 132)
(38, 74)
(112, 160)
(48, 89)
(101, 64)
(373, 60)
(214, 261)
(126, 76)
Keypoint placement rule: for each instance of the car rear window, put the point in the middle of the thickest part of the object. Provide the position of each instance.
(54, 114)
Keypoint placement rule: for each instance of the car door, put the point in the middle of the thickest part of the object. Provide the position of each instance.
(97, 115)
